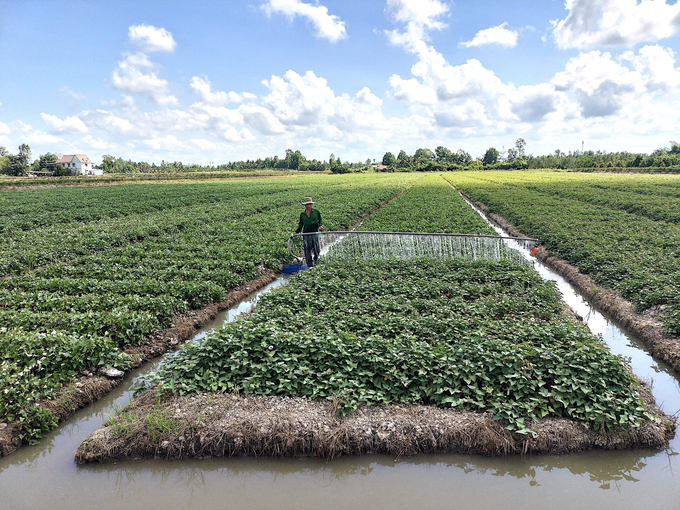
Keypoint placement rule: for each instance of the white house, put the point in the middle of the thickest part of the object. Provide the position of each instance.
(79, 164)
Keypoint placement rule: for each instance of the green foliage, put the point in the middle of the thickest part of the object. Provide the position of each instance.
(18, 165)
(389, 159)
(490, 156)
(85, 272)
(483, 336)
(403, 160)
(430, 205)
(622, 230)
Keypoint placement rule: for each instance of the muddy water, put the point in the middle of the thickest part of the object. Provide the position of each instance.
(45, 477)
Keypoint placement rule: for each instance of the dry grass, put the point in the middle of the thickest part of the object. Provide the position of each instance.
(216, 425)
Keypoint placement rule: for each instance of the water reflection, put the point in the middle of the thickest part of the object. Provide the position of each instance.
(599, 468)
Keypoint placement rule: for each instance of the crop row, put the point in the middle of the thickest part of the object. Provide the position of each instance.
(79, 293)
(484, 336)
(430, 205)
(634, 253)
(656, 197)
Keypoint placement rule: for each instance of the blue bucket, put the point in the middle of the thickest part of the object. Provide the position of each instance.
(292, 268)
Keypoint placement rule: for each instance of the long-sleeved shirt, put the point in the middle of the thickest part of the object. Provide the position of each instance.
(309, 223)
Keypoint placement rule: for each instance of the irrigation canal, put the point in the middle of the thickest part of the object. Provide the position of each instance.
(45, 476)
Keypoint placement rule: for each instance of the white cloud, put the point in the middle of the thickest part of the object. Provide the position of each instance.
(113, 123)
(419, 16)
(296, 99)
(134, 74)
(609, 23)
(35, 136)
(594, 93)
(97, 143)
(203, 144)
(533, 103)
(202, 87)
(418, 12)
(69, 125)
(261, 119)
(149, 38)
(73, 94)
(500, 35)
(600, 83)
(4, 129)
(657, 65)
(327, 26)
(168, 142)
(231, 134)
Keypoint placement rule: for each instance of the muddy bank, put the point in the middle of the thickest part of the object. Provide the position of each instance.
(647, 326)
(89, 386)
(216, 425)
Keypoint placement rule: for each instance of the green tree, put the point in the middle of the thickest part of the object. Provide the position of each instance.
(46, 160)
(462, 157)
(423, 156)
(520, 146)
(490, 156)
(109, 164)
(512, 154)
(18, 165)
(403, 160)
(294, 159)
(3, 151)
(389, 159)
(443, 155)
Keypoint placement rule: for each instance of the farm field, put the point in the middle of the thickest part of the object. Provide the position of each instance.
(430, 205)
(483, 336)
(87, 272)
(621, 230)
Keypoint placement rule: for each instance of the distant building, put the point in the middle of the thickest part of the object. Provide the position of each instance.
(79, 164)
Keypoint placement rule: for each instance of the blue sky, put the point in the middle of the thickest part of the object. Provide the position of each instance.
(219, 81)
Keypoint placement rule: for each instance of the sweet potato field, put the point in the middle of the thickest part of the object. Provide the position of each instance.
(484, 336)
(622, 230)
(85, 272)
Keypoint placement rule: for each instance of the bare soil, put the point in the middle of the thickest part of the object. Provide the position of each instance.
(88, 387)
(217, 425)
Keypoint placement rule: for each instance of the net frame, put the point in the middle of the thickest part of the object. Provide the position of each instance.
(362, 245)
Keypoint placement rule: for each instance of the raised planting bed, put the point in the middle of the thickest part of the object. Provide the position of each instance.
(456, 355)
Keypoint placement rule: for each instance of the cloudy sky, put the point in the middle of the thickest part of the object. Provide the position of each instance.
(216, 81)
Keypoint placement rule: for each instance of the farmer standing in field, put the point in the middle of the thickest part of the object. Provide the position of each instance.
(310, 221)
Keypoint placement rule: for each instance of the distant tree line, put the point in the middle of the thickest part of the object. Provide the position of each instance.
(660, 158)
(516, 158)
(442, 159)
(20, 165)
(293, 160)
(423, 160)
